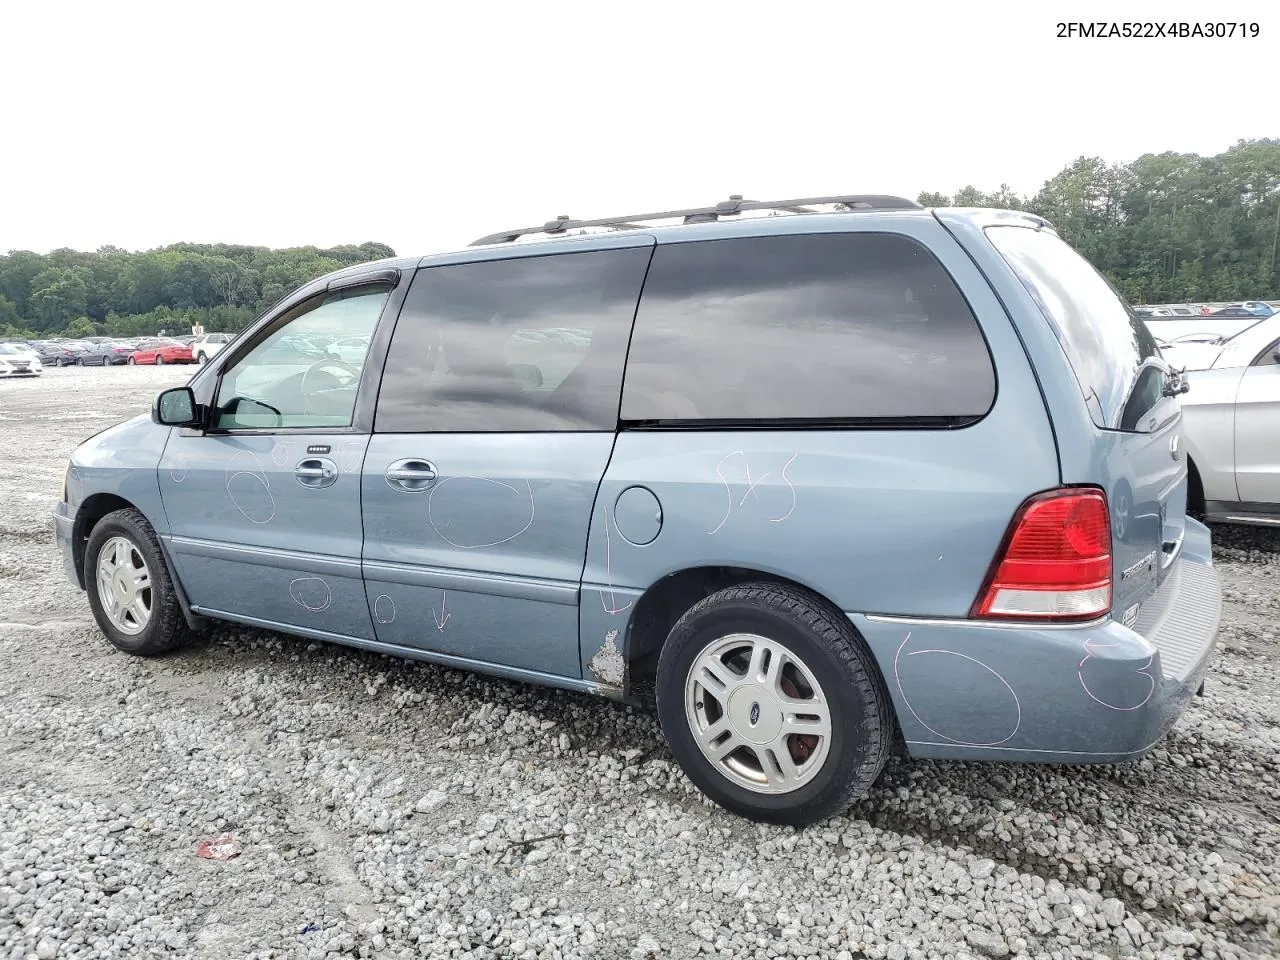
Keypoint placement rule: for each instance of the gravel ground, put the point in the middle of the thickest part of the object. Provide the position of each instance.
(393, 809)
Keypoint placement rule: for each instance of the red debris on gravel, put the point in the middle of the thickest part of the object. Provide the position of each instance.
(223, 847)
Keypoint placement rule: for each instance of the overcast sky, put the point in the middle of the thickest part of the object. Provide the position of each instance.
(425, 125)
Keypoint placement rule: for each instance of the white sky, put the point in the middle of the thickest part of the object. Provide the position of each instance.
(425, 125)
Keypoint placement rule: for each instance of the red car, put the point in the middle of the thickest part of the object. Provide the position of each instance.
(161, 352)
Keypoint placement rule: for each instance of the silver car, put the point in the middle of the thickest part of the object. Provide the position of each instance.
(1232, 419)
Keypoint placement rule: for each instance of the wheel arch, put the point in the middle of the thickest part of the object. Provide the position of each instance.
(1195, 489)
(666, 600)
(90, 513)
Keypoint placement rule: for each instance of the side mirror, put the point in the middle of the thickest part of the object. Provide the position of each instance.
(175, 407)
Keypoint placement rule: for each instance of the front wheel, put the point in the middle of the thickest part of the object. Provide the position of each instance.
(773, 705)
(201, 359)
(159, 361)
(132, 362)
(130, 589)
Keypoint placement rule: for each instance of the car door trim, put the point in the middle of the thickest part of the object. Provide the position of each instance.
(418, 653)
(267, 557)
(466, 581)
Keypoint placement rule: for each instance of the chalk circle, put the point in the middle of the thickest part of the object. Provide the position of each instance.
(281, 452)
(249, 488)
(251, 496)
(477, 512)
(384, 609)
(977, 705)
(311, 593)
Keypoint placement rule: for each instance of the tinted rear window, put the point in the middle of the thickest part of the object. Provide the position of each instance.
(838, 326)
(1104, 340)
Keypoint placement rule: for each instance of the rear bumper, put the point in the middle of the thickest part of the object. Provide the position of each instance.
(1100, 693)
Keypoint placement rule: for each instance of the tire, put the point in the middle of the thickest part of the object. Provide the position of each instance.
(132, 362)
(815, 645)
(159, 360)
(164, 629)
(80, 361)
(201, 359)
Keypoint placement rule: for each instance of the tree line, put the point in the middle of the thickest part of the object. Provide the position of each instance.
(1168, 227)
(116, 292)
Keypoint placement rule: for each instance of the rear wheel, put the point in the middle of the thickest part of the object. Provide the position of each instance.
(159, 360)
(773, 704)
(130, 590)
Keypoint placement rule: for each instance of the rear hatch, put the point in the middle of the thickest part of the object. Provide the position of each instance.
(1131, 394)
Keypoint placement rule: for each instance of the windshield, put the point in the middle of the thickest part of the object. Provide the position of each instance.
(1106, 343)
(10, 349)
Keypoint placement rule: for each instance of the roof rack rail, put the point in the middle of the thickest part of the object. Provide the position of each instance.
(725, 208)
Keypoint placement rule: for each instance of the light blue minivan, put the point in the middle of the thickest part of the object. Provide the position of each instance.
(820, 478)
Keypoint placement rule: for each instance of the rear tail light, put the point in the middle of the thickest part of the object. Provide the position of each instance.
(1055, 561)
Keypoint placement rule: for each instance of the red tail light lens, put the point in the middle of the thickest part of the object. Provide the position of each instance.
(1055, 564)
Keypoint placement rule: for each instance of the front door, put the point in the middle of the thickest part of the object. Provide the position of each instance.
(264, 508)
(1258, 430)
(495, 422)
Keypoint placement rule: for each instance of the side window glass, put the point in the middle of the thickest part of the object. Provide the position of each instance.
(1269, 357)
(840, 326)
(531, 343)
(290, 379)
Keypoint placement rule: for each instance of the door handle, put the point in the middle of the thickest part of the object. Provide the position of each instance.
(316, 472)
(411, 476)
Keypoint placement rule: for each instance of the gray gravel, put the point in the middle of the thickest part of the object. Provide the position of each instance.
(393, 809)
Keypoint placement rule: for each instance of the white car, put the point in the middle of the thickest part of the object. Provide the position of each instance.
(18, 361)
(204, 347)
(349, 349)
(1231, 417)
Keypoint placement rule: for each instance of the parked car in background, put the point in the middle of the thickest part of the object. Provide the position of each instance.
(1258, 308)
(204, 347)
(349, 349)
(161, 352)
(757, 469)
(19, 361)
(105, 353)
(1232, 423)
(65, 353)
(1234, 312)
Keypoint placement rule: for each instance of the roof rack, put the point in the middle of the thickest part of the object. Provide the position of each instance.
(725, 208)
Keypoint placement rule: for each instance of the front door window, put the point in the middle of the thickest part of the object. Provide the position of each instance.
(292, 379)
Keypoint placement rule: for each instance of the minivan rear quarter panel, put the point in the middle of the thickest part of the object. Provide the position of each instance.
(902, 522)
